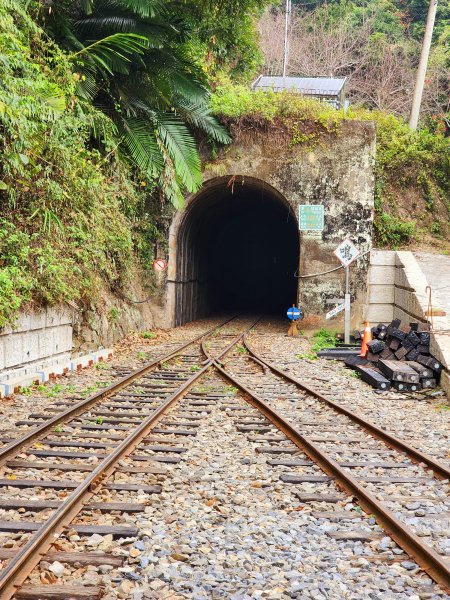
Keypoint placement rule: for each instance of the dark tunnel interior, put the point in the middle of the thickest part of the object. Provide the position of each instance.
(238, 250)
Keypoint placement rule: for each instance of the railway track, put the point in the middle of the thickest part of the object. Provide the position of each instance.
(135, 426)
(368, 463)
(76, 451)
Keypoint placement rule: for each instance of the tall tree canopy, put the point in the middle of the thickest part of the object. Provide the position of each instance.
(136, 62)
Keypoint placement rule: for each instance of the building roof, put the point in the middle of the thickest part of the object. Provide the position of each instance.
(315, 86)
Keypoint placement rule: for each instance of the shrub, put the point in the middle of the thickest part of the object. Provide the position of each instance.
(63, 233)
(393, 232)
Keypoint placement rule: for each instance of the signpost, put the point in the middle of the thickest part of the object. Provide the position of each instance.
(311, 217)
(334, 301)
(335, 311)
(346, 252)
(159, 265)
(293, 313)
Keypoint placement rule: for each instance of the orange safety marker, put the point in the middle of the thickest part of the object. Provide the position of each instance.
(366, 338)
(293, 329)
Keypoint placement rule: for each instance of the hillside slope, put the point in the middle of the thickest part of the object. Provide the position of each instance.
(64, 233)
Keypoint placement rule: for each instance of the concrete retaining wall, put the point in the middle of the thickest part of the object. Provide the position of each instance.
(50, 342)
(397, 290)
(39, 348)
(381, 287)
(39, 340)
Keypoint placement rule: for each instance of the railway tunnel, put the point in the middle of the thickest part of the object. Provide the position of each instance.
(237, 250)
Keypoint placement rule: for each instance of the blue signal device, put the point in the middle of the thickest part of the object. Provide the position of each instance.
(294, 313)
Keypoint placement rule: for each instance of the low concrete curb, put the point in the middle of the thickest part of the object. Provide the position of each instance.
(12, 386)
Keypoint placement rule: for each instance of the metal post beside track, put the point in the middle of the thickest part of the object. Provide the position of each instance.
(347, 306)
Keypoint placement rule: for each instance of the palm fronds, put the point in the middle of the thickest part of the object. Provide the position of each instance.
(135, 64)
(113, 53)
(182, 150)
(199, 116)
(144, 8)
(139, 138)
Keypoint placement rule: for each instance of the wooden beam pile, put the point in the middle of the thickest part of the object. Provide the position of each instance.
(398, 356)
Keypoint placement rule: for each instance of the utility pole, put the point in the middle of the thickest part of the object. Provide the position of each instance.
(422, 68)
(286, 36)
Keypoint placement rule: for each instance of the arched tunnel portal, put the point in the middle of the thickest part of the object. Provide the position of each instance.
(237, 250)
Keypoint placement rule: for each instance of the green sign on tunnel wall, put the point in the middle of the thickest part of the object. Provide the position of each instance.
(310, 217)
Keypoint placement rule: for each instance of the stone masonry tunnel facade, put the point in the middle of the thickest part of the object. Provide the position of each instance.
(236, 245)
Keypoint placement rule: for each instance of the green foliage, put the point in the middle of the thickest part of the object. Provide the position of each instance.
(54, 390)
(102, 366)
(241, 349)
(395, 19)
(148, 335)
(392, 232)
(323, 338)
(226, 34)
(98, 114)
(239, 101)
(229, 389)
(113, 314)
(26, 390)
(63, 234)
(408, 154)
(306, 356)
(111, 54)
(436, 228)
(136, 62)
(305, 121)
(353, 374)
(90, 389)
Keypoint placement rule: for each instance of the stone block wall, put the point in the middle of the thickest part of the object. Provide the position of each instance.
(338, 174)
(397, 290)
(48, 341)
(115, 317)
(40, 339)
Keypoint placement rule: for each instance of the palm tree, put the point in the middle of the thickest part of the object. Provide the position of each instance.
(134, 59)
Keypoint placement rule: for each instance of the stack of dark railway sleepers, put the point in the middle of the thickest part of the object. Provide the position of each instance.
(398, 356)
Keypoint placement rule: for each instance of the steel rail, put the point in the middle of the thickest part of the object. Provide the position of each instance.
(35, 434)
(429, 560)
(440, 470)
(18, 569)
(238, 338)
